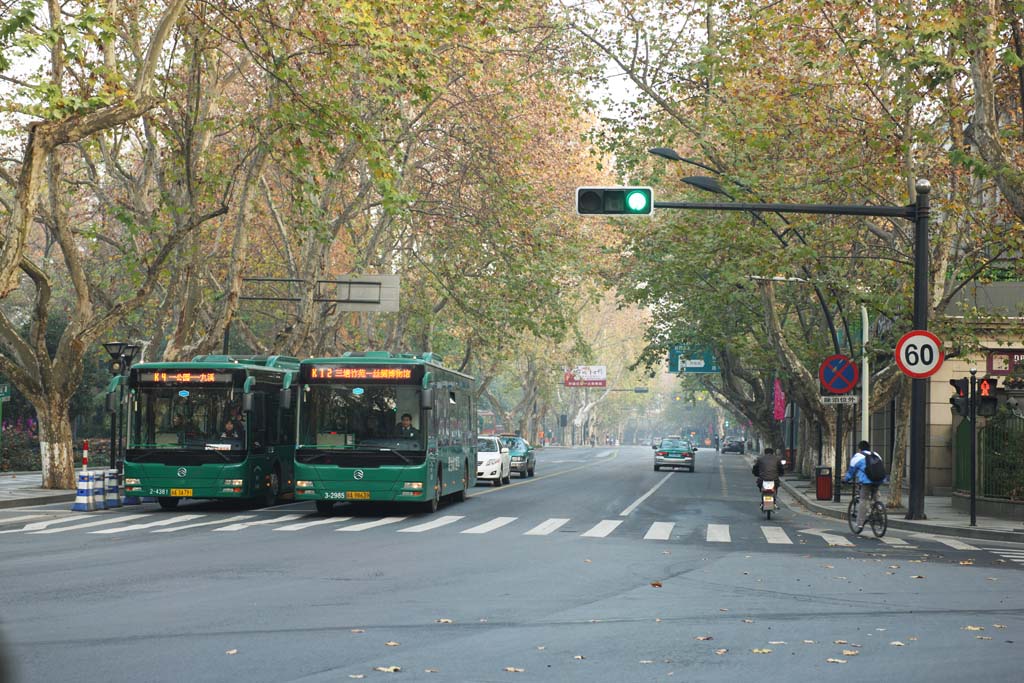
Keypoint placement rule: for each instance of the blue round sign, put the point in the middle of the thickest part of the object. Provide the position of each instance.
(838, 374)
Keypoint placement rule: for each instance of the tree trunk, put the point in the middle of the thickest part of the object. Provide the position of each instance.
(899, 447)
(55, 444)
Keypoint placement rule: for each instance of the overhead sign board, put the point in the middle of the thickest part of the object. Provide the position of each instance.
(1004, 362)
(587, 376)
(691, 360)
(838, 374)
(919, 354)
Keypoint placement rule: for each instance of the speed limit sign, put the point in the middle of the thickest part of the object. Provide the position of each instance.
(919, 354)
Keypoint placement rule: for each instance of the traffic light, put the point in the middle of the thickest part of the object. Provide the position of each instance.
(988, 403)
(628, 201)
(961, 401)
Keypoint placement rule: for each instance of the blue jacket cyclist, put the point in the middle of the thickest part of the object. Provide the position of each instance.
(868, 490)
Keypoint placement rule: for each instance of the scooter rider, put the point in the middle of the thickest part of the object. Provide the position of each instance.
(767, 466)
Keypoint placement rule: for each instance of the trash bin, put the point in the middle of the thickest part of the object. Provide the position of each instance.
(823, 482)
(788, 457)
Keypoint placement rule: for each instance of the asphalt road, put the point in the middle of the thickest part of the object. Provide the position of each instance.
(597, 569)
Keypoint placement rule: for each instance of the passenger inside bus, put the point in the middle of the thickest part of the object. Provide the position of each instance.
(233, 431)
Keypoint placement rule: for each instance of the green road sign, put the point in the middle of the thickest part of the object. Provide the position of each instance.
(689, 360)
(5, 392)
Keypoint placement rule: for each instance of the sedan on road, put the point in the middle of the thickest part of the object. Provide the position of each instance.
(675, 453)
(733, 444)
(493, 462)
(523, 460)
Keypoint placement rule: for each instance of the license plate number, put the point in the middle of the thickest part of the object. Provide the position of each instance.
(335, 495)
(358, 495)
(181, 493)
(769, 499)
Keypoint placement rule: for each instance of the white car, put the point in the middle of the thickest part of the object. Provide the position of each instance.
(493, 462)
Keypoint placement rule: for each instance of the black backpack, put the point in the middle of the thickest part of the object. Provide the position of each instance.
(874, 468)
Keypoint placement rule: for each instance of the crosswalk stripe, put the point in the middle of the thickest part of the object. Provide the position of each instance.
(171, 519)
(236, 518)
(659, 531)
(1007, 552)
(495, 523)
(602, 528)
(946, 541)
(841, 541)
(718, 533)
(20, 518)
(548, 526)
(246, 525)
(35, 526)
(316, 522)
(370, 525)
(776, 534)
(433, 524)
(894, 541)
(86, 525)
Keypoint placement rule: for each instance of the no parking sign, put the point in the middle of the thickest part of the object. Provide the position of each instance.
(838, 374)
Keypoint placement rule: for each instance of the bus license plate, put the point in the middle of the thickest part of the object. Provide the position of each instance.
(358, 495)
(181, 493)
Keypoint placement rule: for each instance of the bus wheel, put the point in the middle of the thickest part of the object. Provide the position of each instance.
(435, 500)
(272, 489)
(460, 496)
(324, 507)
(168, 503)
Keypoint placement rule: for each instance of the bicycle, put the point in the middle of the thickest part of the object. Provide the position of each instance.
(878, 518)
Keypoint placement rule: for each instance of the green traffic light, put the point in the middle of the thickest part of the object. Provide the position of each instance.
(637, 201)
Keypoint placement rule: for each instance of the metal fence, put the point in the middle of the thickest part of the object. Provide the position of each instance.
(1000, 457)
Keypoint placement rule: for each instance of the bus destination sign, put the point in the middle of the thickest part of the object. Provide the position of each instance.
(369, 374)
(184, 377)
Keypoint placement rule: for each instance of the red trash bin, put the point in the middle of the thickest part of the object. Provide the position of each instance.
(823, 482)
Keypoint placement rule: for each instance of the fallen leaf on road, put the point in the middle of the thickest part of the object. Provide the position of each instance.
(828, 566)
(850, 653)
(891, 573)
(721, 651)
(443, 621)
(998, 625)
(587, 561)
(392, 643)
(840, 642)
(514, 669)
(810, 642)
(657, 620)
(748, 621)
(579, 657)
(231, 652)
(881, 629)
(722, 609)
(833, 660)
(966, 562)
(388, 669)
(430, 671)
(540, 647)
(991, 578)
(656, 584)
(647, 661)
(917, 576)
(761, 651)
(358, 630)
(894, 566)
(356, 676)
(666, 552)
(896, 643)
(912, 638)
(703, 638)
(974, 628)
(983, 637)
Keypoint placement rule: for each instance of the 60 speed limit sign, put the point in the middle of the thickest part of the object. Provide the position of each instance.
(919, 354)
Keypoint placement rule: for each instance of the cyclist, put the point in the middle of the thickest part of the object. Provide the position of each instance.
(867, 489)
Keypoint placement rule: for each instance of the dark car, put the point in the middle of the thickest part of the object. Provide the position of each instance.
(733, 444)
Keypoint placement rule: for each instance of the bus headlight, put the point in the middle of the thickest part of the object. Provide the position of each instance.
(413, 485)
(303, 484)
(132, 481)
(233, 482)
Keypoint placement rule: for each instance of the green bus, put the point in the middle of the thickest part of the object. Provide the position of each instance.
(215, 427)
(377, 426)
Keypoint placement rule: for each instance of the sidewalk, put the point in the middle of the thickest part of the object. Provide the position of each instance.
(942, 519)
(26, 488)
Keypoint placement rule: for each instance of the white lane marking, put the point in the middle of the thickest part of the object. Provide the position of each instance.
(433, 524)
(898, 542)
(225, 520)
(1009, 552)
(659, 531)
(636, 503)
(547, 527)
(718, 533)
(246, 525)
(73, 527)
(35, 526)
(21, 518)
(776, 534)
(602, 528)
(721, 476)
(495, 523)
(316, 522)
(831, 539)
(949, 542)
(605, 454)
(371, 525)
(171, 519)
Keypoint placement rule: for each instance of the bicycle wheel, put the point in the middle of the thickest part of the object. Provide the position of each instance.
(851, 515)
(879, 519)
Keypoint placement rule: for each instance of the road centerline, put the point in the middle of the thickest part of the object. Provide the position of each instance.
(636, 503)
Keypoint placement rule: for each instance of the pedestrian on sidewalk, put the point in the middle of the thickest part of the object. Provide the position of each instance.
(867, 488)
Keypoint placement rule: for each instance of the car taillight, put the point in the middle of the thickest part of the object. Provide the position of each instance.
(662, 452)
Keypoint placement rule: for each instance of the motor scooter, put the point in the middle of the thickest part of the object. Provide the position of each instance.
(767, 498)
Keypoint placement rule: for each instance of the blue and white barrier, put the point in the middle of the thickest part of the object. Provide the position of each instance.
(112, 489)
(83, 493)
(98, 492)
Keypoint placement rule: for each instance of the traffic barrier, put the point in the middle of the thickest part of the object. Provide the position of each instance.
(98, 490)
(112, 489)
(83, 493)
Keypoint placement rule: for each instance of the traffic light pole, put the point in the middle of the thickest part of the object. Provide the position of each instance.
(919, 212)
(973, 417)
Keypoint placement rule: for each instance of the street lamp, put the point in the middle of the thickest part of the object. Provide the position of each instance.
(121, 356)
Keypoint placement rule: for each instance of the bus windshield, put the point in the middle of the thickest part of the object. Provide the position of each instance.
(379, 416)
(203, 417)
